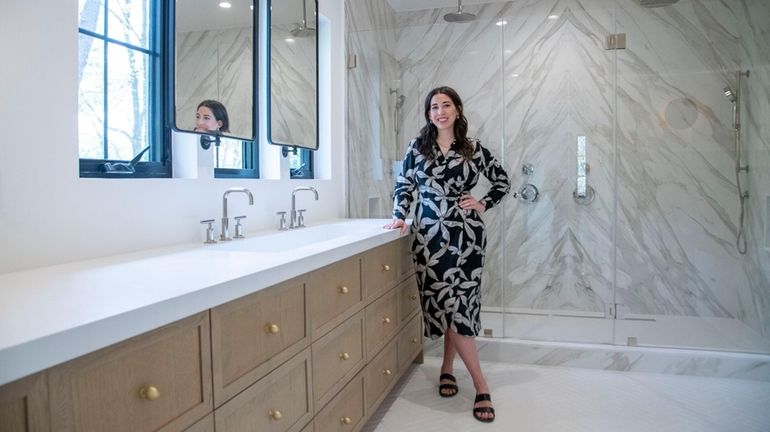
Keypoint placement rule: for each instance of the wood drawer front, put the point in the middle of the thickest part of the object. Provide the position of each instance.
(24, 404)
(381, 323)
(345, 413)
(279, 402)
(102, 391)
(205, 424)
(404, 257)
(335, 293)
(245, 348)
(337, 357)
(409, 342)
(408, 298)
(380, 374)
(379, 270)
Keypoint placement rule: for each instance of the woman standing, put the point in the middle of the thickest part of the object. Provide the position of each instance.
(443, 165)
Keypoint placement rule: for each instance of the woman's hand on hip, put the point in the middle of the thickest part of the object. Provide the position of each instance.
(467, 202)
(397, 223)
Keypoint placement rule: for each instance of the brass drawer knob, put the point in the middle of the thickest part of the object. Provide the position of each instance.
(386, 372)
(385, 267)
(346, 420)
(413, 297)
(344, 356)
(414, 340)
(386, 320)
(149, 393)
(344, 290)
(275, 415)
(272, 328)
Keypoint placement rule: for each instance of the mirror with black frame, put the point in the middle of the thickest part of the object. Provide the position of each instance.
(293, 73)
(214, 76)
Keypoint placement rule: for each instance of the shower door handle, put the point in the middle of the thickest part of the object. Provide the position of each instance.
(584, 194)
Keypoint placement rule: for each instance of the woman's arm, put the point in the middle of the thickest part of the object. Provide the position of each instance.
(494, 172)
(403, 194)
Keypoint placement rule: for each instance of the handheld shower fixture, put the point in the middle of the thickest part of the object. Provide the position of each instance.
(734, 96)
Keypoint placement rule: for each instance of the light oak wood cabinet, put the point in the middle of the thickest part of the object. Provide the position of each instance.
(158, 381)
(254, 334)
(280, 402)
(337, 357)
(335, 293)
(317, 353)
(24, 405)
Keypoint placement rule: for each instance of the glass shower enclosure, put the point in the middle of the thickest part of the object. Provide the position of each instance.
(612, 121)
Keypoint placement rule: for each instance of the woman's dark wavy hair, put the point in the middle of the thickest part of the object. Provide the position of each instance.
(219, 111)
(429, 132)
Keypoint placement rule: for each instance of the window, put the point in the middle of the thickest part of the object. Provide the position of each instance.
(120, 90)
(301, 164)
(236, 159)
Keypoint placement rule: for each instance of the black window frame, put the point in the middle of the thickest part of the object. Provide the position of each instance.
(159, 134)
(307, 169)
(250, 160)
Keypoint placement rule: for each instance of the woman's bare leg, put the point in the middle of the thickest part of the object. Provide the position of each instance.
(465, 346)
(447, 366)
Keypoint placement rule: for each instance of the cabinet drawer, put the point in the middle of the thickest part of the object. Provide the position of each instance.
(252, 335)
(380, 375)
(408, 298)
(335, 293)
(336, 358)
(279, 402)
(379, 270)
(409, 342)
(404, 257)
(160, 380)
(345, 413)
(24, 405)
(381, 323)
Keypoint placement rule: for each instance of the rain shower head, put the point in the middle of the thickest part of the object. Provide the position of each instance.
(729, 94)
(459, 16)
(302, 30)
(655, 3)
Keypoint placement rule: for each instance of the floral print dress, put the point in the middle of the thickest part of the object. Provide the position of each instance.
(449, 242)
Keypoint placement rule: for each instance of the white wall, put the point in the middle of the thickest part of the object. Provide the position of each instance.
(48, 215)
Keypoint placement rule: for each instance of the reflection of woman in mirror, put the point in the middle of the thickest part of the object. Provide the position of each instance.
(211, 116)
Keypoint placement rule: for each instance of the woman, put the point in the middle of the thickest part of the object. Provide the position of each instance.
(211, 116)
(443, 165)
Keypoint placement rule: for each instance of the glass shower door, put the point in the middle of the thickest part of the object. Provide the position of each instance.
(559, 105)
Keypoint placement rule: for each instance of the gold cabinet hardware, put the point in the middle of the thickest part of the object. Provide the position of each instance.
(386, 320)
(414, 340)
(275, 415)
(386, 372)
(272, 328)
(346, 420)
(344, 290)
(344, 356)
(149, 393)
(385, 267)
(413, 297)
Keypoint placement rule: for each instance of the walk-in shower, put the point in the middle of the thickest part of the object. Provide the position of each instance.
(734, 95)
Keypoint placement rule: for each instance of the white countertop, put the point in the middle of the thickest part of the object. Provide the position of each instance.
(54, 314)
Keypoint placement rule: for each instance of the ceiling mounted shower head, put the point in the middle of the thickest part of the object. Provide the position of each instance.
(459, 16)
(655, 3)
(302, 30)
(729, 94)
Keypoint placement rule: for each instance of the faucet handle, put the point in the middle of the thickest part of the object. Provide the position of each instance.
(209, 231)
(300, 218)
(239, 227)
(282, 224)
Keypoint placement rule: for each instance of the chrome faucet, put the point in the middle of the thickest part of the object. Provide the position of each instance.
(295, 221)
(225, 220)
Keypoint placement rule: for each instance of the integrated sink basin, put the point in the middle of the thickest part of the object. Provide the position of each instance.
(311, 236)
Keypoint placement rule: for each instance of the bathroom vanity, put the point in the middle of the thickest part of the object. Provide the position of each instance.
(294, 331)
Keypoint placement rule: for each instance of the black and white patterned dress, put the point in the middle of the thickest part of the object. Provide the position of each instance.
(449, 242)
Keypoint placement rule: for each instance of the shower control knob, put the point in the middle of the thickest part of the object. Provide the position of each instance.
(528, 169)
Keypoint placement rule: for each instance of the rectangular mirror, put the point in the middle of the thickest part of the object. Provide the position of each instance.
(293, 73)
(214, 58)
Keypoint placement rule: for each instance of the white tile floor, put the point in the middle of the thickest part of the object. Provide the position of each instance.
(543, 398)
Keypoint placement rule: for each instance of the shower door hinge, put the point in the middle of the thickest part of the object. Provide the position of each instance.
(615, 41)
(352, 61)
(614, 310)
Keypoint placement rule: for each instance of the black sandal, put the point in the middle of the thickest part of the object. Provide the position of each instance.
(477, 412)
(453, 389)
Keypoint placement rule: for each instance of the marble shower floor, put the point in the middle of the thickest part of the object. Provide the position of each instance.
(533, 398)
